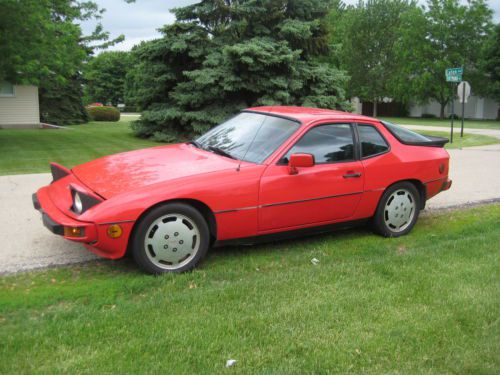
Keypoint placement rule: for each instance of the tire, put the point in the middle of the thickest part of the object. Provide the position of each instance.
(398, 210)
(173, 237)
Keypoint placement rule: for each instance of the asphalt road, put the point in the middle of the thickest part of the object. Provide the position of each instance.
(26, 244)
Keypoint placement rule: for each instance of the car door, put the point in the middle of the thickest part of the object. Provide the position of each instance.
(328, 191)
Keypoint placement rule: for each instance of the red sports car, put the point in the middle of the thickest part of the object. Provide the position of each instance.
(265, 173)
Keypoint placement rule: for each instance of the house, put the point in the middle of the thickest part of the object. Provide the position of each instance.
(19, 106)
(476, 108)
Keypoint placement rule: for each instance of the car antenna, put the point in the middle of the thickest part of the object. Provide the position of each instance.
(253, 140)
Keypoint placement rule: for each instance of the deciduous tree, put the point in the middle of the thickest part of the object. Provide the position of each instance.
(367, 34)
(41, 43)
(105, 77)
(443, 34)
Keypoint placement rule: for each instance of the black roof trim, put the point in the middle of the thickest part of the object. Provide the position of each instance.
(274, 115)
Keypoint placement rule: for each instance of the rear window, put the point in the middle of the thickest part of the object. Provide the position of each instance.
(404, 135)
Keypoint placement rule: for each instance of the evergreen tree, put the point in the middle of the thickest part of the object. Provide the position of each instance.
(490, 66)
(222, 56)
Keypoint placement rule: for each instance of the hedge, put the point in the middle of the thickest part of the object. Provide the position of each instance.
(104, 113)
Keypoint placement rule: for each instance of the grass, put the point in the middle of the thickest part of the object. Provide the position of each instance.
(31, 150)
(425, 303)
(471, 124)
(468, 140)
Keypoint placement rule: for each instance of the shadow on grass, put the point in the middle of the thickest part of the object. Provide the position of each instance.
(292, 244)
(273, 247)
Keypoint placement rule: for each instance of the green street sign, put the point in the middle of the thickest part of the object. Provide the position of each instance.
(454, 74)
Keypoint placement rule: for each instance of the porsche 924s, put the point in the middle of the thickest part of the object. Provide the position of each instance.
(265, 173)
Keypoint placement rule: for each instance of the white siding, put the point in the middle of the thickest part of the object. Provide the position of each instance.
(475, 108)
(20, 110)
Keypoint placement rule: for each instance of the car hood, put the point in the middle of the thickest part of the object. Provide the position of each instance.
(119, 173)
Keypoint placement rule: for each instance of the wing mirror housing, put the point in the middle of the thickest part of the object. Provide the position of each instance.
(299, 161)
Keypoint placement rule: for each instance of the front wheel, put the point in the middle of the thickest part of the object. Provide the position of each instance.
(170, 238)
(398, 210)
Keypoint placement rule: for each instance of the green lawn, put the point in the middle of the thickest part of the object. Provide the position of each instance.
(31, 150)
(426, 303)
(473, 124)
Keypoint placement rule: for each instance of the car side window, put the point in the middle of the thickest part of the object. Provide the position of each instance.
(372, 142)
(328, 143)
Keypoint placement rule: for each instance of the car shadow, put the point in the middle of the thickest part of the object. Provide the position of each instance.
(289, 244)
(278, 247)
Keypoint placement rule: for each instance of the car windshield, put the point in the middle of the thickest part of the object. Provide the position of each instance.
(248, 136)
(403, 134)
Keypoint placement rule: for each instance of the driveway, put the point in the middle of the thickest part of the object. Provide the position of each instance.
(26, 244)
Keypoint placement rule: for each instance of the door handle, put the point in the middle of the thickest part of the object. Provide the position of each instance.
(352, 175)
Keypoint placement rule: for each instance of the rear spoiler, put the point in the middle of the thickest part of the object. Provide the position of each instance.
(432, 142)
(414, 139)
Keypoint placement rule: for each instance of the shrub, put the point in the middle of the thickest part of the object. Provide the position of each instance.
(104, 113)
(428, 115)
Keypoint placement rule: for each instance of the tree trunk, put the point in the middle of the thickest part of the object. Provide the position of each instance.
(441, 112)
(375, 108)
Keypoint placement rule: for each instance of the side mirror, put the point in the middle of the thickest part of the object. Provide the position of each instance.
(299, 161)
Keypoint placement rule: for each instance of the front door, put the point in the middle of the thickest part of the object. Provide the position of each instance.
(326, 192)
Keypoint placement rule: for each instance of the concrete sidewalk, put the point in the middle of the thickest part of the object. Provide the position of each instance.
(26, 244)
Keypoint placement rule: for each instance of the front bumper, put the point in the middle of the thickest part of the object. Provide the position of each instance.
(95, 237)
(56, 221)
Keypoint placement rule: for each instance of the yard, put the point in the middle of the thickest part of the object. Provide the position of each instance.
(424, 303)
(31, 150)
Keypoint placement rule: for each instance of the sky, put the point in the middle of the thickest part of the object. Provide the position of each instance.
(140, 20)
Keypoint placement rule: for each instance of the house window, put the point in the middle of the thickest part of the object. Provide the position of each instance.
(6, 89)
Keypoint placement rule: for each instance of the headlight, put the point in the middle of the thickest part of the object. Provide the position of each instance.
(77, 204)
(82, 201)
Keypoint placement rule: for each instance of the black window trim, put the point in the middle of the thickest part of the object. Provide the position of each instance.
(361, 157)
(355, 140)
(271, 114)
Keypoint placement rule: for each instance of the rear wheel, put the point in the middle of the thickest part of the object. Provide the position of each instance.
(170, 238)
(398, 210)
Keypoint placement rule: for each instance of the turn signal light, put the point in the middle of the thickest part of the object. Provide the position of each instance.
(114, 231)
(74, 232)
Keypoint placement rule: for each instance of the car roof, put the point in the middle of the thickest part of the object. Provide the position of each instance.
(306, 114)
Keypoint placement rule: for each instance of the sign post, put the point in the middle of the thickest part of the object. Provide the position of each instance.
(463, 92)
(453, 75)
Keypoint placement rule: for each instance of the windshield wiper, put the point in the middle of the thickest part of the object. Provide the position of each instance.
(220, 151)
(195, 144)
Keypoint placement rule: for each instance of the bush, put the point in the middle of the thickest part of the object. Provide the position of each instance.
(428, 115)
(104, 113)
